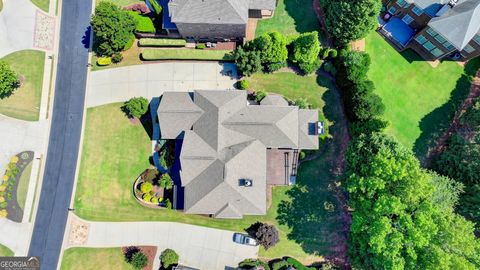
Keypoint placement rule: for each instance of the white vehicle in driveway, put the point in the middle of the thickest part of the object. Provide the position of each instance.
(244, 239)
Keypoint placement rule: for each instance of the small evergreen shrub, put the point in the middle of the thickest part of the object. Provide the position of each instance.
(280, 265)
(139, 260)
(275, 66)
(136, 106)
(166, 181)
(201, 46)
(146, 187)
(168, 258)
(310, 67)
(325, 53)
(260, 95)
(147, 197)
(332, 53)
(243, 84)
(104, 61)
(129, 43)
(117, 58)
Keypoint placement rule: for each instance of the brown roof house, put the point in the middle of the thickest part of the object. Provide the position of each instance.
(231, 152)
(214, 20)
(436, 29)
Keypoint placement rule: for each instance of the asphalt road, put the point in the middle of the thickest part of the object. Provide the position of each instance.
(65, 133)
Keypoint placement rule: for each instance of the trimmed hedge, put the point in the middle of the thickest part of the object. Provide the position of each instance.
(162, 42)
(144, 23)
(104, 61)
(187, 54)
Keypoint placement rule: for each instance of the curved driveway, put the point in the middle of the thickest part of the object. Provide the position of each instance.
(150, 80)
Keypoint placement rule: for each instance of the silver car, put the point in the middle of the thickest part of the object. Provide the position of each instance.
(244, 239)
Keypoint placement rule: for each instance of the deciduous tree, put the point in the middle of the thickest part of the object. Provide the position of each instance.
(8, 80)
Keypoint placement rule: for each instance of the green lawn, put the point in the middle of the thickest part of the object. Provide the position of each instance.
(42, 4)
(115, 152)
(23, 185)
(25, 102)
(5, 251)
(291, 17)
(418, 98)
(121, 3)
(187, 54)
(94, 258)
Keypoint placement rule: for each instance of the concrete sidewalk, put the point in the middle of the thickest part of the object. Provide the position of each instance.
(151, 80)
(199, 247)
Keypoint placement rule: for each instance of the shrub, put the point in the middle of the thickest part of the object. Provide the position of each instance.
(2, 199)
(144, 24)
(162, 42)
(168, 258)
(251, 263)
(129, 43)
(298, 265)
(154, 200)
(367, 127)
(117, 58)
(248, 62)
(136, 106)
(330, 68)
(3, 213)
(200, 46)
(275, 66)
(168, 204)
(104, 61)
(3, 205)
(8, 80)
(243, 84)
(146, 187)
(310, 67)
(147, 197)
(302, 155)
(14, 160)
(324, 53)
(157, 8)
(259, 95)
(139, 260)
(280, 265)
(112, 27)
(2, 188)
(265, 234)
(271, 46)
(305, 48)
(332, 53)
(166, 181)
(187, 54)
(302, 103)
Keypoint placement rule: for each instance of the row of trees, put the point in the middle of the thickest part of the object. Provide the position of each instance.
(403, 216)
(270, 52)
(461, 161)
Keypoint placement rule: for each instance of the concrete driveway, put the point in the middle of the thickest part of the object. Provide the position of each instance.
(17, 25)
(199, 247)
(15, 236)
(151, 80)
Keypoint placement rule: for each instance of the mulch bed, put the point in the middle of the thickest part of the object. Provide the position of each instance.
(15, 213)
(150, 251)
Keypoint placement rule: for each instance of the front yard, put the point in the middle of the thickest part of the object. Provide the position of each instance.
(418, 98)
(24, 103)
(5, 251)
(115, 152)
(94, 258)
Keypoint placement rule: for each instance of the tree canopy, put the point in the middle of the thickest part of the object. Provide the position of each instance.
(113, 28)
(248, 62)
(397, 222)
(8, 80)
(350, 20)
(273, 47)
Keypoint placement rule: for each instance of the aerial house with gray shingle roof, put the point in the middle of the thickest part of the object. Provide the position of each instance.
(231, 152)
(214, 20)
(435, 29)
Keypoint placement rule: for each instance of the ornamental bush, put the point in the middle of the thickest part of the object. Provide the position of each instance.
(117, 58)
(143, 23)
(169, 258)
(280, 265)
(147, 197)
(112, 28)
(265, 234)
(104, 61)
(248, 62)
(139, 260)
(305, 48)
(310, 67)
(136, 106)
(8, 80)
(243, 84)
(146, 187)
(200, 46)
(166, 181)
(251, 263)
(260, 95)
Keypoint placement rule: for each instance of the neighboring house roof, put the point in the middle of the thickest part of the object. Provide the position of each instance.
(262, 4)
(460, 24)
(424, 4)
(227, 143)
(273, 99)
(209, 11)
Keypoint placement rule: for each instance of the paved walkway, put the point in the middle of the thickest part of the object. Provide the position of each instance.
(151, 80)
(199, 247)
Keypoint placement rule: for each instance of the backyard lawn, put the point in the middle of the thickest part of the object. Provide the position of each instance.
(115, 152)
(24, 103)
(5, 251)
(94, 258)
(290, 17)
(42, 4)
(418, 98)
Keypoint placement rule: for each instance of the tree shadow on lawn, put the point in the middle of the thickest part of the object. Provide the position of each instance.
(303, 14)
(434, 124)
(315, 214)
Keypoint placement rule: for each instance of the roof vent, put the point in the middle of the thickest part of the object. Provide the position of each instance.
(245, 182)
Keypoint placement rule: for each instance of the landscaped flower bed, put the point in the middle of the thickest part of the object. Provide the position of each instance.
(9, 206)
(187, 54)
(153, 189)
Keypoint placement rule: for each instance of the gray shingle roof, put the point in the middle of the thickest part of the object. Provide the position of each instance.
(209, 11)
(228, 143)
(305, 119)
(262, 4)
(177, 113)
(427, 3)
(273, 99)
(460, 24)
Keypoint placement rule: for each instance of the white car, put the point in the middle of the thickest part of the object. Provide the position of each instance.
(244, 239)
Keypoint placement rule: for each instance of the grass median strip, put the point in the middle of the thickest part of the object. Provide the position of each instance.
(162, 42)
(187, 54)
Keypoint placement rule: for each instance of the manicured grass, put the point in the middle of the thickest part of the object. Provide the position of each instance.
(121, 3)
(22, 188)
(162, 42)
(417, 96)
(5, 251)
(42, 4)
(94, 258)
(130, 57)
(187, 54)
(1, 5)
(291, 17)
(25, 102)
